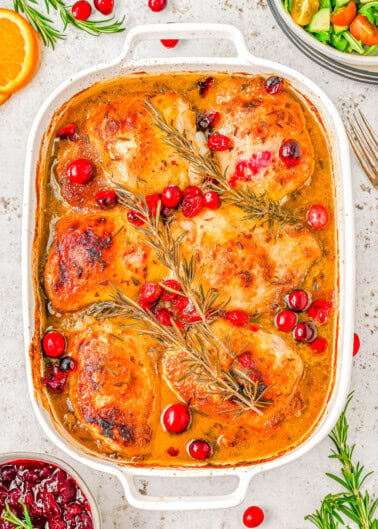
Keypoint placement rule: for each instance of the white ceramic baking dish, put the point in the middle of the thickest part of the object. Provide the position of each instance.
(242, 62)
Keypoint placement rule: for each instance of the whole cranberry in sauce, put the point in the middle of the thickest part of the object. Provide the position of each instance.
(317, 216)
(81, 10)
(192, 205)
(319, 311)
(67, 364)
(173, 452)
(319, 345)
(54, 379)
(53, 344)
(246, 360)
(171, 196)
(68, 132)
(286, 320)
(219, 142)
(104, 6)
(167, 295)
(305, 332)
(164, 317)
(274, 85)
(298, 300)
(80, 171)
(134, 218)
(211, 200)
(157, 5)
(290, 153)
(253, 517)
(169, 43)
(192, 190)
(153, 202)
(149, 293)
(106, 199)
(204, 86)
(199, 449)
(237, 318)
(207, 121)
(176, 418)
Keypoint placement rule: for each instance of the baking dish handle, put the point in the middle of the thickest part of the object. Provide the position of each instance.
(185, 31)
(184, 503)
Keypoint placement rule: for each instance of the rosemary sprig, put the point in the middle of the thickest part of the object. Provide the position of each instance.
(352, 502)
(9, 516)
(200, 358)
(43, 25)
(259, 207)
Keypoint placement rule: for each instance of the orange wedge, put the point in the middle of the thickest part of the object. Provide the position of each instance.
(18, 51)
(4, 97)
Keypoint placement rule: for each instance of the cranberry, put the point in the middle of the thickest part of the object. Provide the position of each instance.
(157, 5)
(164, 317)
(176, 418)
(134, 218)
(153, 202)
(180, 303)
(190, 316)
(55, 380)
(67, 364)
(81, 10)
(199, 449)
(246, 360)
(106, 199)
(317, 216)
(219, 142)
(192, 205)
(167, 295)
(237, 318)
(211, 200)
(305, 332)
(171, 196)
(149, 293)
(172, 451)
(319, 345)
(68, 132)
(80, 171)
(356, 344)
(298, 300)
(274, 85)
(169, 43)
(286, 320)
(104, 6)
(192, 190)
(167, 212)
(319, 311)
(290, 153)
(204, 85)
(53, 344)
(253, 516)
(207, 121)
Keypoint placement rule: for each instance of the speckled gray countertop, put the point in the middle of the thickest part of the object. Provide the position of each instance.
(285, 494)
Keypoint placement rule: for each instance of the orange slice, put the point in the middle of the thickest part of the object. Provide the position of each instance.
(18, 51)
(3, 97)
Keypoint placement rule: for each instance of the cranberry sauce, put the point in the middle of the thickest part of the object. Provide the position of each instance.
(46, 492)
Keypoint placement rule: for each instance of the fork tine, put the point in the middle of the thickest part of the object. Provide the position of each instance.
(362, 161)
(373, 134)
(368, 140)
(366, 152)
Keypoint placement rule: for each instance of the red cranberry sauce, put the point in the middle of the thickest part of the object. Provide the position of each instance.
(52, 497)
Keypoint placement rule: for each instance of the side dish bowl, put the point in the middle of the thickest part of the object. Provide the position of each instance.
(246, 63)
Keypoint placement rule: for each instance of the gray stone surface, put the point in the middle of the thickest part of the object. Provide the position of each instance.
(288, 493)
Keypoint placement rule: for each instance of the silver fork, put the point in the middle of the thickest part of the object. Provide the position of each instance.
(364, 142)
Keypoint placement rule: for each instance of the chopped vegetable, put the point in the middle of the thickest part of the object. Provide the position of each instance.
(321, 21)
(344, 15)
(302, 11)
(363, 30)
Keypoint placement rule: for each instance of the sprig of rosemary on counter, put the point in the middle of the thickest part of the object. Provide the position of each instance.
(9, 516)
(259, 207)
(43, 25)
(202, 361)
(352, 502)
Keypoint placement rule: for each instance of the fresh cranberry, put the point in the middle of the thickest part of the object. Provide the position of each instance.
(68, 132)
(53, 344)
(167, 295)
(190, 316)
(192, 205)
(171, 196)
(246, 360)
(134, 218)
(67, 364)
(192, 190)
(253, 517)
(356, 344)
(157, 5)
(172, 451)
(164, 317)
(319, 345)
(305, 332)
(207, 121)
(80, 171)
(169, 43)
(319, 311)
(106, 199)
(290, 153)
(237, 318)
(153, 202)
(180, 303)
(54, 379)
(211, 200)
(176, 418)
(274, 85)
(81, 10)
(149, 293)
(317, 216)
(167, 212)
(286, 320)
(204, 85)
(200, 449)
(104, 6)
(298, 300)
(219, 142)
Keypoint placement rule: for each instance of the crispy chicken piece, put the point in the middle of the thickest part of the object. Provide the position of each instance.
(264, 357)
(258, 124)
(244, 261)
(112, 390)
(90, 253)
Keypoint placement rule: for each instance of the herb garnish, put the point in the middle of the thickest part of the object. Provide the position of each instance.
(9, 516)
